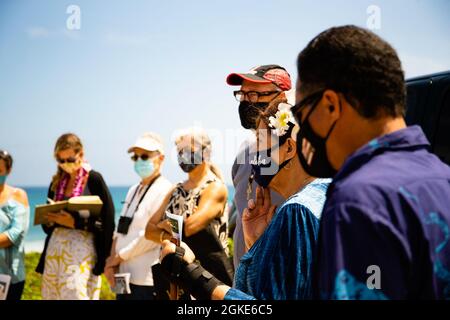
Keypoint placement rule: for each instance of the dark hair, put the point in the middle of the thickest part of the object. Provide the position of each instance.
(358, 64)
(5, 156)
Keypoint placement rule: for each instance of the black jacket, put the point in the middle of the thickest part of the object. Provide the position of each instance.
(102, 227)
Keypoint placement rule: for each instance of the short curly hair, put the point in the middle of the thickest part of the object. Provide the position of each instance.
(360, 65)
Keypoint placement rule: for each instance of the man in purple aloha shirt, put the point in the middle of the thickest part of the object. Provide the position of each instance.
(384, 232)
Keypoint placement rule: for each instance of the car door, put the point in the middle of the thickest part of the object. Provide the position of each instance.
(441, 145)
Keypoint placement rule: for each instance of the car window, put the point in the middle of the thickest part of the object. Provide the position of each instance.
(416, 100)
(442, 139)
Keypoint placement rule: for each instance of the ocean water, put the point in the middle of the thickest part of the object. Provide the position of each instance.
(34, 240)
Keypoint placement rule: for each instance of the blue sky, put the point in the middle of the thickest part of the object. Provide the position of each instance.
(138, 66)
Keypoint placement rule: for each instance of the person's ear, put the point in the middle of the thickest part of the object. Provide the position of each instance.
(332, 103)
(291, 148)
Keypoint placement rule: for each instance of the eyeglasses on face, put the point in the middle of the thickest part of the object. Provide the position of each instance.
(252, 96)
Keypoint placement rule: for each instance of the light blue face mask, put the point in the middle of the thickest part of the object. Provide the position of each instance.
(3, 179)
(144, 168)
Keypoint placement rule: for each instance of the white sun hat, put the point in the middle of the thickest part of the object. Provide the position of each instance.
(148, 141)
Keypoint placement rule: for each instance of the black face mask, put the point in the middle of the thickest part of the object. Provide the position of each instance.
(187, 167)
(316, 162)
(188, 161)
(248, 112)
(263, 172)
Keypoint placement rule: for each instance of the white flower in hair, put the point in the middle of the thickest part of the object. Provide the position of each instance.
(280, 122)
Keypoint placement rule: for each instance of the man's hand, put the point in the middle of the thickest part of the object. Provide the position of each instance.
(257, 216)
(169, 247)
(63, 218)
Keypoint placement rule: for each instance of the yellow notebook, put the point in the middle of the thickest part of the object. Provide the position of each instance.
(91, 203)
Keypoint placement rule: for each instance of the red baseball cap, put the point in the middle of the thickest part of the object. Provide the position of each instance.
(270, 73)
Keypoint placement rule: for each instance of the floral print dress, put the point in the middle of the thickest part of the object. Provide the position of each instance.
(70, 260)
(68, 267)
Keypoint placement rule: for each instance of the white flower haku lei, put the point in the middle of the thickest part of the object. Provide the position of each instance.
(280, 122)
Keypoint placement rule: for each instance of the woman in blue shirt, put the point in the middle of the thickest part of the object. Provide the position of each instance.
(14, 216)
(281, 249)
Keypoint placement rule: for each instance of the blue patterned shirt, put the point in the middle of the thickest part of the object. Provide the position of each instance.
(14, 218)
(279, 264)
(385, 226)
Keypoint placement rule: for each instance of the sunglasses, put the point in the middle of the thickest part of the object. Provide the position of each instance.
(313, 98)
(68, 160)
(136, 157)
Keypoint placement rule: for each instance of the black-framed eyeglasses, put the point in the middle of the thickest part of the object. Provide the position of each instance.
(136, 157)
(67, 160)
(308, 100)
(252, 96)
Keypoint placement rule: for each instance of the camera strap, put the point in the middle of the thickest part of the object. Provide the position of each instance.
(142, 197)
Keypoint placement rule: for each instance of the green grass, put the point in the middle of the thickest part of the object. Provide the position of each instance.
(230, 246)
(32, 290)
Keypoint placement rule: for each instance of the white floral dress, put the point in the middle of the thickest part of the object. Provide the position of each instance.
(69, 262)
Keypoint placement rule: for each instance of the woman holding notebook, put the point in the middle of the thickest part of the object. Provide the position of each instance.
(77, 243)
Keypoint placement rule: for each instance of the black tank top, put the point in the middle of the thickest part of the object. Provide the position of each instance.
(209, 245)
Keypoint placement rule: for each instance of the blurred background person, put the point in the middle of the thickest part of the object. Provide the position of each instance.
(14, 216)
(131, 252)
(77, 243)
(202, 201)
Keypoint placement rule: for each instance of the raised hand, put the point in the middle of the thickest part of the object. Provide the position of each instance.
(257, 216)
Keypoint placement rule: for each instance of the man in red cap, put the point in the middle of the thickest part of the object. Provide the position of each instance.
(259, 87)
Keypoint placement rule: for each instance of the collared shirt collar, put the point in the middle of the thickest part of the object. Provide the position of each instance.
(408, 138)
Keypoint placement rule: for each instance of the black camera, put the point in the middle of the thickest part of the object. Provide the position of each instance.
(124, 225)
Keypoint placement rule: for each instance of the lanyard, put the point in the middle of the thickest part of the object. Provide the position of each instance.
(140, 200)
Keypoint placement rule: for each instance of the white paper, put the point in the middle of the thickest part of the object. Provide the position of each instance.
(177, 225)
(5, 281)
(122, 283)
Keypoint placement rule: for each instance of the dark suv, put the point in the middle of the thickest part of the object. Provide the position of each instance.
(428, 105)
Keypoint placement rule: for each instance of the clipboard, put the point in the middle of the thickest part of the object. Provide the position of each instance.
(93, 204)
